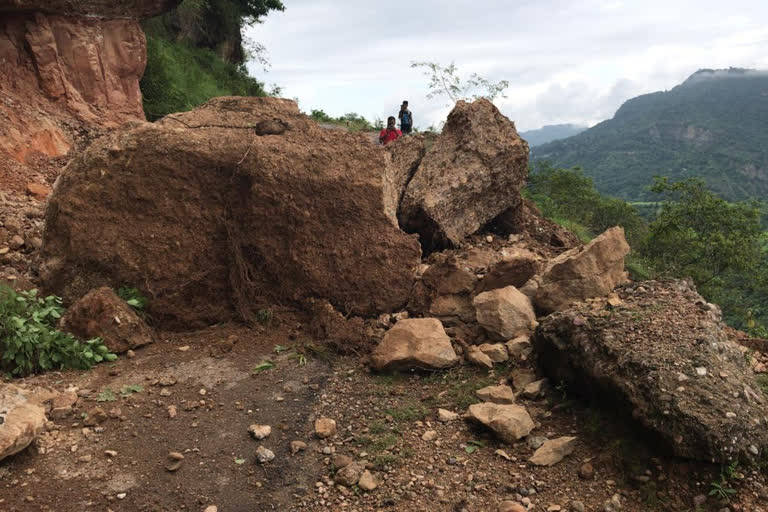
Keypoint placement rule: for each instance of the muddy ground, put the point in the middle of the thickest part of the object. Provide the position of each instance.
(219, 386)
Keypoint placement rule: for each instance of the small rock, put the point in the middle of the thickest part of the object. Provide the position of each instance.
(521, 378)
(511, 506)
(445, 415)
(552, 452)
(519, 347)
(586, 471)
(497, 352)
(175, 456)
(342, 461)
(478, 358)
(95, 416)
(110, 453)
(699, 500)
(367, 482)
(174, 466)
(298, 446)
(504, 455)
(85, 458)
(535, 390)
(554, 508)
(429, 435)
(171, 411)
(509, 422)
(701, 371)
(264, 455)
(130, 354)
(211, 508)
(496, 394)
(349, 475)
(325, 428)
(260, 431)
(577, 506)
(121, 496)
(16, 243)
(535, 442)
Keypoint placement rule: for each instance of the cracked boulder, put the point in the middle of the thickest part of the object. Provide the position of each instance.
(665, 360)
(473, 172)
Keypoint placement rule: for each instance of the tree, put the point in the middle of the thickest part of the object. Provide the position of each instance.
(445, 81)
(703, 236)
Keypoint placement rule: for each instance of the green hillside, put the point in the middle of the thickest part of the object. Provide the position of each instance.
(713, 126)
(551, 133)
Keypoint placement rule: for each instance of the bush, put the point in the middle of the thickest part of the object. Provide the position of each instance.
(30, 342)
(179, 78)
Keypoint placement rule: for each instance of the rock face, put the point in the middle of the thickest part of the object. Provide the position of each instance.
(415, 343)
(505, 313)
(102, 314)
(472, 173)
(406, 154)
(668, 363)
(509, 422)
(225, 213)
(20, 420)
(582, 273)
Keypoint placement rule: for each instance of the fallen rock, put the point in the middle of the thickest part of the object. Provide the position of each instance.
(473, 172)
(21, 421)
(521, 377)
(535, 390)
(514, 270)
(504, 313)
(102, 314)
(298, 446)
(511, 506)
(264, 455)
(367, 482)
(553, 451)
(62, 404)
(478, 357)
(429, 435)
(259, 431)
(95, 416)
(637, 358)
(444, 415)
(496, 394)
(325, 428)
(341, 461)
(415, 343)
(586, 471)
(520, 347)
(583, 272)
(453, 309)
(497, 352)
(509, 422)
(247, 219)
(350, 475)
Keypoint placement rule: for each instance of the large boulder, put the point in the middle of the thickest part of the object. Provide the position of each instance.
(240, 202)
(663, 357)
(416, 343)
(505, 313)
(21, 420)
(102, 314)
(473, 172)
(583, 272)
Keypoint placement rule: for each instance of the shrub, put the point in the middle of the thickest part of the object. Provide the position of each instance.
(30, 342)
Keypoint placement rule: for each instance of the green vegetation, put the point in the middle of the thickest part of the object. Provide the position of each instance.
(30, 342)
(352, 121)
(106, 395)
(693, 233)
(196, 52)
(446, 81)
(133, 298)
(713, 126)
(551, 133)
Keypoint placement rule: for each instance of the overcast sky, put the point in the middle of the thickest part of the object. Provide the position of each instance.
(572, 61)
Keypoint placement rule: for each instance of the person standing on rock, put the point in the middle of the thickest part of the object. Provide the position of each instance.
(406, 119)
(389, 133)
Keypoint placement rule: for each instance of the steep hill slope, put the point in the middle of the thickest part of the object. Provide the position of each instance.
(551, 133)
(714, 125)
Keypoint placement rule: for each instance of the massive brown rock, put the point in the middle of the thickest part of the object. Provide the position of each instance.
(583, 272)
(239, 203)
(663, 358)
(472, 173)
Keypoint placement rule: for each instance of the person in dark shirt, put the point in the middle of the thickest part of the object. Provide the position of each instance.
(406, 118)
(389, 133)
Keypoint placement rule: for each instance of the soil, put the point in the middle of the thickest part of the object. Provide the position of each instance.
(381, 420)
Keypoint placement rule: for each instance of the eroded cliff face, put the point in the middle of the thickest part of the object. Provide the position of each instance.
(66, 66)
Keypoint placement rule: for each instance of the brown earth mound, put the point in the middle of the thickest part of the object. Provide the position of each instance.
(662, 354)
(237, 203)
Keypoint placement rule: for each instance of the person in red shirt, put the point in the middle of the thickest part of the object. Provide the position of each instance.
(390, 133)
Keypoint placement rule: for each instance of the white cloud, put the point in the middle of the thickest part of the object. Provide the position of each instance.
(566, 62)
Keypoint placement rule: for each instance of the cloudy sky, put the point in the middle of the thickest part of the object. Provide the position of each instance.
(573, 61)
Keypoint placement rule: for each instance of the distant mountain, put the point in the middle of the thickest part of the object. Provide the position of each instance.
(551, 132)
(714, 126)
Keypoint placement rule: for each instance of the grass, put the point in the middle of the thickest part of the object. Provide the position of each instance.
(762, 382)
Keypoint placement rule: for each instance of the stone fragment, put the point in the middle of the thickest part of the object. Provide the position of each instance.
(298, 446)
(521, 377)
(496, 394)
(259, 431)
(367, 482)
(350, 475)
(511, 506)
(520, 347)
(509, 422)
(429, 435)
(325, 428)
(444, 415)
(535, 390)
(415, 343)
(264, 455)
(478, 358)
(504, 313)
(584, 272)
(61, 405)
(497, 352)
(553, 451)
(586, 471)
(341, 461)
(95, 416)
